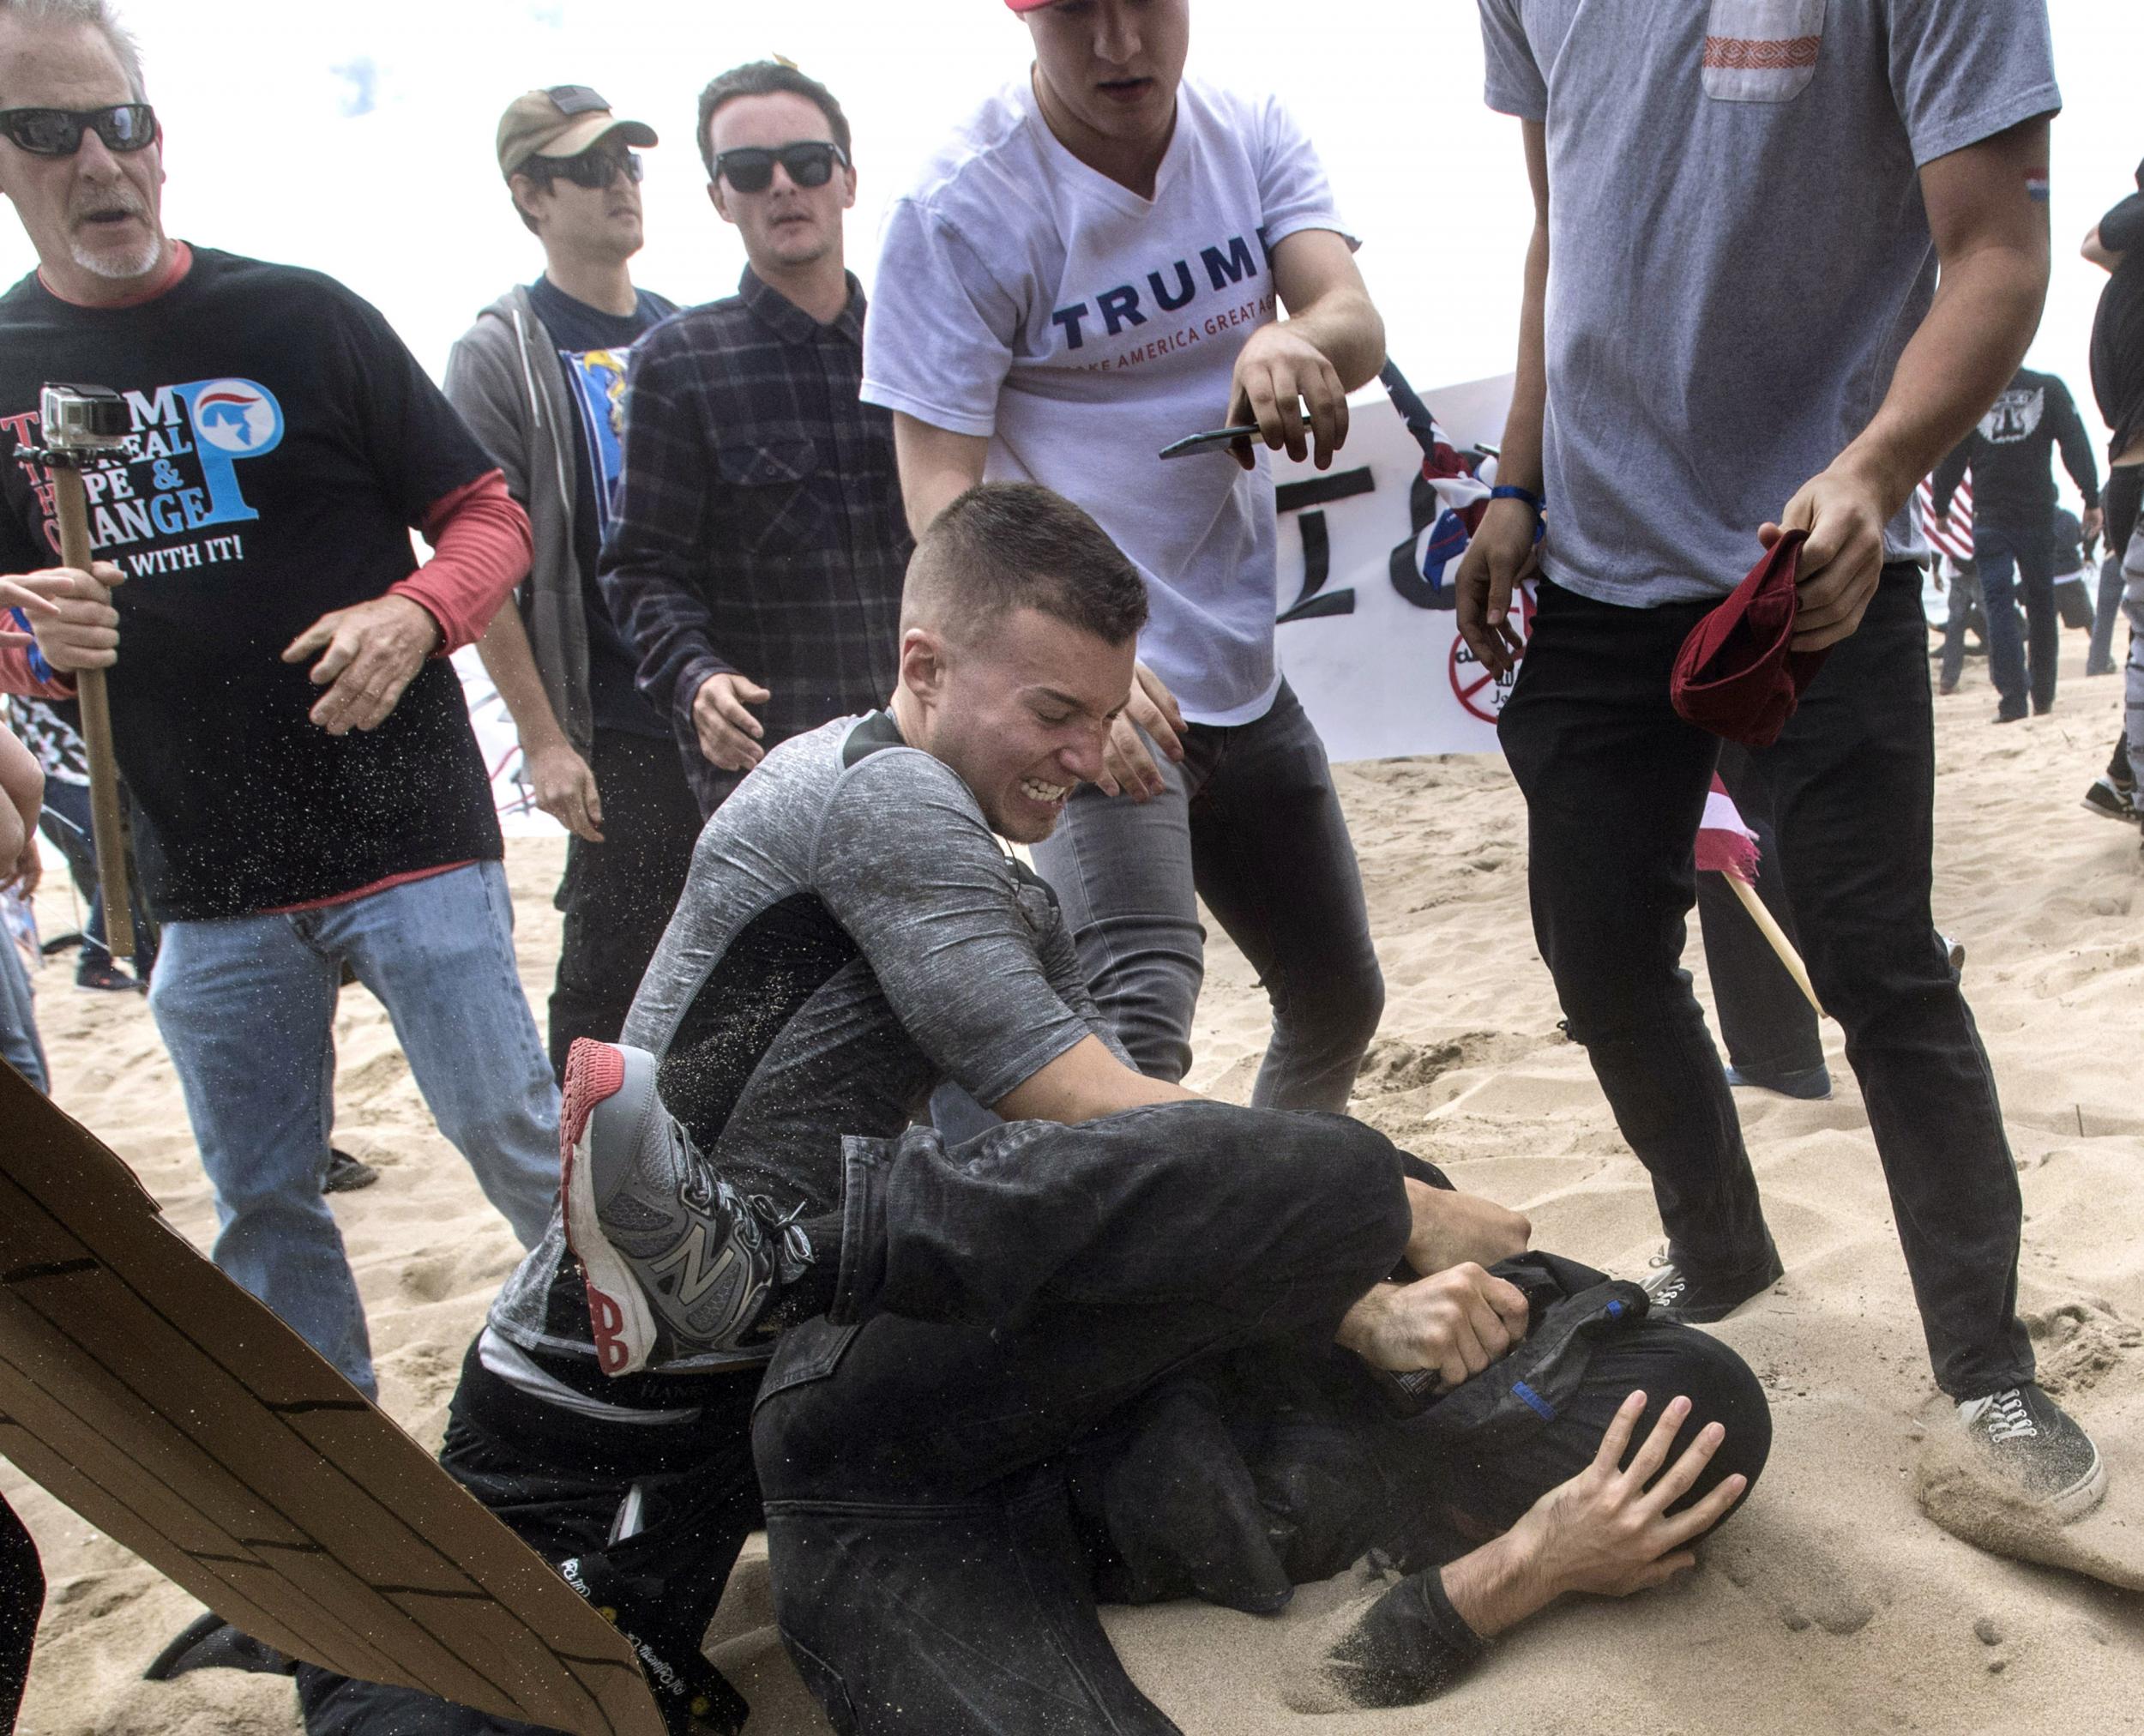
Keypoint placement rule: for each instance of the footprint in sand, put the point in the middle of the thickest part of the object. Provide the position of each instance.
(1801, 1577)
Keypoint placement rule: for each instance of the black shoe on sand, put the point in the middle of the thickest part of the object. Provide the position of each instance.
(210, 1643)
(345, 1174)
(1676, 1296)
(2110, 800)
(2037, 1446)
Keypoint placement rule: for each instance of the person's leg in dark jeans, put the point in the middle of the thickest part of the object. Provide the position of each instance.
(21, 1601)
(643, 1518)
(1765, 1021)
(1271, 856)
(2119, 499)
(1965, 594)
(617, 895)
(2042, 615)
(1853, 781)
(1996, 553)
(1615, 784)
(1249, 821)
(923, 1569)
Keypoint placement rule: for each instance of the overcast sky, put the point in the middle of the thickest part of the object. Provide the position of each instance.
(357, 139)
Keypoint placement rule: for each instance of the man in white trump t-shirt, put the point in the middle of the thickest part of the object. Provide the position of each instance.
(1089, 270)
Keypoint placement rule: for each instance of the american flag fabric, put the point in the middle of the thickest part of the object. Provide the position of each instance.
(1725, 844)
(1957, 542)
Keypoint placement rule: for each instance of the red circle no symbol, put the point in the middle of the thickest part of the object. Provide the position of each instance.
(1477, 690)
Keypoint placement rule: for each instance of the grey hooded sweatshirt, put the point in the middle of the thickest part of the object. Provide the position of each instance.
(502, 375)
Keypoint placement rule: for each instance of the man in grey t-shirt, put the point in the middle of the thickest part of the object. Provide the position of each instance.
(1732, 331)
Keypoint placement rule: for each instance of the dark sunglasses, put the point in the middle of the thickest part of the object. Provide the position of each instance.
(126, 126)
(595, 168)
(751, 170)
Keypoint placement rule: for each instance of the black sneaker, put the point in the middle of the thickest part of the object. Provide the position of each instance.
(2039, 1447)
(346, 1174)
(2110, 800)
(1675, 1295)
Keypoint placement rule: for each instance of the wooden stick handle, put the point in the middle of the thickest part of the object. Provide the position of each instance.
(73, 514)
(1771, 932)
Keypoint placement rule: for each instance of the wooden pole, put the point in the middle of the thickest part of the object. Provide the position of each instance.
(73, 512)
(1773, 932)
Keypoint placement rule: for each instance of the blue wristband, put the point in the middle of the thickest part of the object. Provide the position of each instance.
(1507, 491)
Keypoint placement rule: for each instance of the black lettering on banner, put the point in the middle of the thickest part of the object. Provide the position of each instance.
(1318, 542)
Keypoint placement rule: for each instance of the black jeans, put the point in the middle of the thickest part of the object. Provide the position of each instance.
(1615, 783)
(561, 1482)
(617, 895)
(945, 1507)
(1765, 1021)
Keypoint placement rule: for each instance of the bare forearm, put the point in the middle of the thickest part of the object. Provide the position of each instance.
(1519, 461)
(1348, 331)
(1496, 1586)
(511, 662)
(938, 466)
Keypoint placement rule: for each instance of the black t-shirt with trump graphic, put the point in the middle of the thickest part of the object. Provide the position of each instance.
(285, 442)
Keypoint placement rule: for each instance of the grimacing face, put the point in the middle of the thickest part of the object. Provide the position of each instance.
(787, 228)
(1114, 65)
(1021, 711)
(96, 217)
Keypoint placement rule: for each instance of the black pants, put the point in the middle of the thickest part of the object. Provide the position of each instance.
(67, 821)
(1615, 783)
(944, 1506)
(617, 895)
(1765, 1020)
(562, 1483)
(21, 1601)
(2120, 498)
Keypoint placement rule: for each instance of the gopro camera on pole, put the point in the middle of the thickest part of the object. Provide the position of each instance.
(85, 427)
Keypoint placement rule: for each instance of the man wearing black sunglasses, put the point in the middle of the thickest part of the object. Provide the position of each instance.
(306, 791)
(757, 555)
(540, 379)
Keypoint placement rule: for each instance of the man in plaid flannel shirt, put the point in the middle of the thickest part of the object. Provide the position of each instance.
(755, 559)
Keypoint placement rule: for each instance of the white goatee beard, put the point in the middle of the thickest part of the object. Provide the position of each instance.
(135, 261)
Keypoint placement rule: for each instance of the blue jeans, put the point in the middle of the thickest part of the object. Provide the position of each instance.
(2004, 553)
(1248, 822)
(19, 1045)
(247, 1006)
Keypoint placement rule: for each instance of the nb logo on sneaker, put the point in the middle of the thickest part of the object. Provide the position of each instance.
(689, 1258)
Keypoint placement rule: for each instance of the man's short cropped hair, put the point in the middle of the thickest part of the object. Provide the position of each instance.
(767, 78)
(1007, 545)
(93, 15)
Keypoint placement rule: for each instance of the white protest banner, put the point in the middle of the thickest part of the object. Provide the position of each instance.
(1368, 552)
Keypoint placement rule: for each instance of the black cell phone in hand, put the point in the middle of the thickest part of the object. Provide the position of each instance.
(1212, 438)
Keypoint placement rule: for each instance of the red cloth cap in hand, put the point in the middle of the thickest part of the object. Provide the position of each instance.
(1736, 674)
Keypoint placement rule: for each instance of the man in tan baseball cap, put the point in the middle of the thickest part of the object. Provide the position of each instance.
(561, 122)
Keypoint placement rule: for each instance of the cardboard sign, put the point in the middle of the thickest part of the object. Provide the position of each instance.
(175, 1412)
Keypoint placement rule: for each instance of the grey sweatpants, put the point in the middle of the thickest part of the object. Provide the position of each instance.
(2133, 606)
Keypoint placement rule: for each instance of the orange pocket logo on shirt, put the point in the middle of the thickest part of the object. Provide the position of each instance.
(1762, 51)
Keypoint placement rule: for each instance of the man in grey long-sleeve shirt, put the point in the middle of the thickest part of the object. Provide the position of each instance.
(2013, 525)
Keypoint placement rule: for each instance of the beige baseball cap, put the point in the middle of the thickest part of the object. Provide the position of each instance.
(562, 121)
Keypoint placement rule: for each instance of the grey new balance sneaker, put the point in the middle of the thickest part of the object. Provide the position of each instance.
(678, 1262)
(2039, 1447)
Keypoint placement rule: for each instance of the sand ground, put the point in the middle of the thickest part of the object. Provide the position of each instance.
(1830, 1603)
